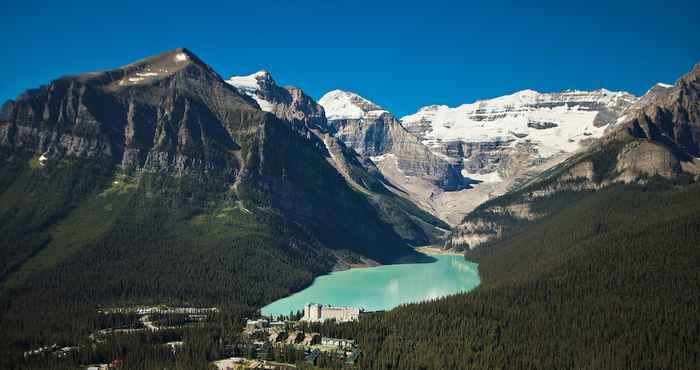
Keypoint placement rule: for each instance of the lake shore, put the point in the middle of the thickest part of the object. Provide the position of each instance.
(436, 250)
(384, 287)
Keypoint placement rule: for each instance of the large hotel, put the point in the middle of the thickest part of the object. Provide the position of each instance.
(316, 312)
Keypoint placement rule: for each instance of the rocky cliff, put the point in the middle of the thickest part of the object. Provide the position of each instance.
(375, 133)
(411, 167)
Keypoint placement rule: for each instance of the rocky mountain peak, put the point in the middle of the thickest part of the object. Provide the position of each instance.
(150, 69)
(402, 159)
(341, 104)
(288, 103)
(668, 115)
(252, 82)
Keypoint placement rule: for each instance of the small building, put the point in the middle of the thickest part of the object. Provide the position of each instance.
(175, 345)
(251, 326)
(338, 343)
(98, 367)
(278, 324)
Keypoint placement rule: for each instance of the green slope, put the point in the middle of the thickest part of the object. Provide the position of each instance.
(607, 282)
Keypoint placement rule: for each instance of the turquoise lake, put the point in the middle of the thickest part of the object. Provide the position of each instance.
(384, 287)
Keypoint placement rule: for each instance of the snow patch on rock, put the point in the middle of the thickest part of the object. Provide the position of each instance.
(490, 178)
(340, 104)
(250, 85)
(516, 117)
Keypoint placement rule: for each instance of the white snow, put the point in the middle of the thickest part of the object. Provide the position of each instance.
(340, 104)
(42, 159)
(247, 83)
(250, 85)
(376, 112)
(665, 86)
(491, 177)
(180, 57)
(140, 76)
(503, 117)
(264, 104)
(378, 158)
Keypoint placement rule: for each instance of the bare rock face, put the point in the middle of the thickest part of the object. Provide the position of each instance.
(469, 234)
(152, 115)
(288, 103)
(583, 170)
(647, 159)
(670, 115)
(375, 133)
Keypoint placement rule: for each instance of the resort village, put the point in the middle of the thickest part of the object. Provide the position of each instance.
(283, 342)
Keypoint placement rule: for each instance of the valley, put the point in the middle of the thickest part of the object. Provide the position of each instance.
(159, 188)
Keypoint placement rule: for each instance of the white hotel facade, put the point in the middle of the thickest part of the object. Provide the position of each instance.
(314, 312)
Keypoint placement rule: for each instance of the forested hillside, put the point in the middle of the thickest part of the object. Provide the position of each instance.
(158, 183)
(609, 281)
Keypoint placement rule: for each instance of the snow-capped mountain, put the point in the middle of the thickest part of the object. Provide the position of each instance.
(402, 159)
(341, 104)
(252, 85)
(449, 160)
(657, 136)
(497, 138)
(308, 118)
(286, 102)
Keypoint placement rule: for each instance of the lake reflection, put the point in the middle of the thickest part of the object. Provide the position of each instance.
(384, 287)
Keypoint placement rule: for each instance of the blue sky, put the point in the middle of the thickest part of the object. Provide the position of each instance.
(402, 55)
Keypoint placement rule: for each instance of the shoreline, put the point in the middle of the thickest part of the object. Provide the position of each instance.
(436, 251)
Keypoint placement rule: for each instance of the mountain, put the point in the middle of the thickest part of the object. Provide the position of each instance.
(591, 264)
(500, 142)
(288, 103)
(116, 185)
(412, 223)
(375, 133)
(655, 137)
(403, 160)
(607, 280)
